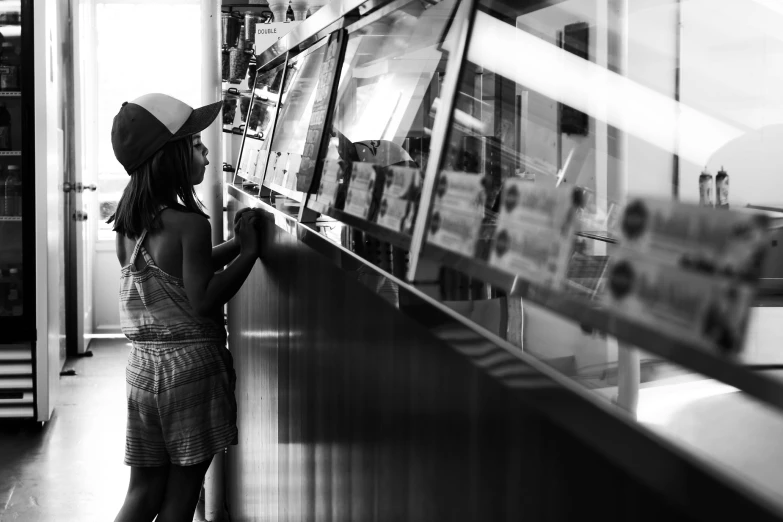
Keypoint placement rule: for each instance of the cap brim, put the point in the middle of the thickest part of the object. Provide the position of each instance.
(199, 120)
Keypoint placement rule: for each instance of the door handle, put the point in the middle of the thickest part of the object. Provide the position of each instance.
(79, 215)
(89, 187)
(68, 187)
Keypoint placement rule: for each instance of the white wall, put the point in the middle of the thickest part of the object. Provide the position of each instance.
(732, 58)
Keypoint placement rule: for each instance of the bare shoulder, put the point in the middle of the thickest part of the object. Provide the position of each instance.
(185, 224)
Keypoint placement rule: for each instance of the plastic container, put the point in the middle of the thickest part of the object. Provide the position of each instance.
(5, 128)
(12, 199)
(239, 61)
(250, 28)
(230, 100)
(230, 29)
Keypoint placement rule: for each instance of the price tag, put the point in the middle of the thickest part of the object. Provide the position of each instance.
(357, 202)
(454, 229)
(392, 212)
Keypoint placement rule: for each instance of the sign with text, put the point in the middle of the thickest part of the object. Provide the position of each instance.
(268, 34)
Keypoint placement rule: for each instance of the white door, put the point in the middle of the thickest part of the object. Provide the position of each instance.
(84, 179)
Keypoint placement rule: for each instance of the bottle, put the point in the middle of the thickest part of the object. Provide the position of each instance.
(705, 188)
(722, 189)
(5, 128)
(9, 70)
(12, 201)
(14, 300)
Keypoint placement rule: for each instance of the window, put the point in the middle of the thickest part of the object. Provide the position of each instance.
(139, 47)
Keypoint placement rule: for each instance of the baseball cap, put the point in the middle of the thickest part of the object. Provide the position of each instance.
(146, 124)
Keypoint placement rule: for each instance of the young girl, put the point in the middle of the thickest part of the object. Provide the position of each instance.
(180, 377)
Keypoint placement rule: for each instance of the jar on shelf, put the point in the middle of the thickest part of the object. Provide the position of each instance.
(230, 100)
(226, 62)
(230, 29)
(238, 66)
(250, 28)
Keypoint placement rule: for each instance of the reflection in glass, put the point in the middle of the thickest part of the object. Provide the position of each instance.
(298, 99)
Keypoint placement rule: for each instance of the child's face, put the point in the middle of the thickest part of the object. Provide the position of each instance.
(199, 161)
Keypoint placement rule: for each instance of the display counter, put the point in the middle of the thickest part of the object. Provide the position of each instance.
(484, 212)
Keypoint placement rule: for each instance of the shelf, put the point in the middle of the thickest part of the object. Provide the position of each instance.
(10, 152)
(13, 219)
(698, 357)
(291, 194)
(388, 235)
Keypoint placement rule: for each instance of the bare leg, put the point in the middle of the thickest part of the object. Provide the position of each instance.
(182, 491)
(145, 494)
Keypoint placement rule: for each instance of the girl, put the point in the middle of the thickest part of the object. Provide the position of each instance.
(180, 377)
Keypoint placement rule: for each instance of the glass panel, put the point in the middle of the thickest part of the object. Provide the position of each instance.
(12, 176)
(380, 137)
(262, 111)
(298, 98)
(610, 100)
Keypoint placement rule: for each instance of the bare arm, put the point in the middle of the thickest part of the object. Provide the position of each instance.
(224, 253)
(207, 290)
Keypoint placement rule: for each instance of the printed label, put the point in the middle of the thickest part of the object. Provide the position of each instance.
(455, 230)
(400, 181)
(460, 190)
(698, 239)
(357, 202)
(704, 309)
(532, 252)
(392, 212)
(363, 176)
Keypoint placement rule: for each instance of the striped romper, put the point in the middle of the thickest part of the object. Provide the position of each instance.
(180, 377)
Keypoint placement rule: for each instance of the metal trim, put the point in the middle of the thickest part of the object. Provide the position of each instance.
(464, 19)
(331, 13)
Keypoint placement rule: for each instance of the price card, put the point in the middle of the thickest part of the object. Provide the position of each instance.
(277, 167)
(392, 212)
(535, 231)
(401, 181)
(363, 176)
(454, 229)
(533, 252)
(460, 190)
(268, 34)
(357, 202)
(706, 310)
(700, 239)
(687, 269)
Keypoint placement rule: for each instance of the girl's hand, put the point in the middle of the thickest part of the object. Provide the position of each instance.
(247, 233)
(243, 211)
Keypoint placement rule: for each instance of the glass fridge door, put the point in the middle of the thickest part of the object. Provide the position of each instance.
(14, 176)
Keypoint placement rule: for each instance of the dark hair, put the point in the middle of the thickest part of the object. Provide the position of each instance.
(162, 181)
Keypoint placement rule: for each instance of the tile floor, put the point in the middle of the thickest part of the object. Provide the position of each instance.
(71, 469)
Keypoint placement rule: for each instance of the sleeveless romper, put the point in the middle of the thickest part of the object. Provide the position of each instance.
(179, 379)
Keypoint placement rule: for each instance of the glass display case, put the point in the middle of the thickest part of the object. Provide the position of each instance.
(557, 173)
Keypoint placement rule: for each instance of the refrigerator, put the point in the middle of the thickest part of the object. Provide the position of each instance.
(31, 210)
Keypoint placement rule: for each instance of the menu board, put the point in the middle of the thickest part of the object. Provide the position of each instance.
(320, 116)
(687, 270)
